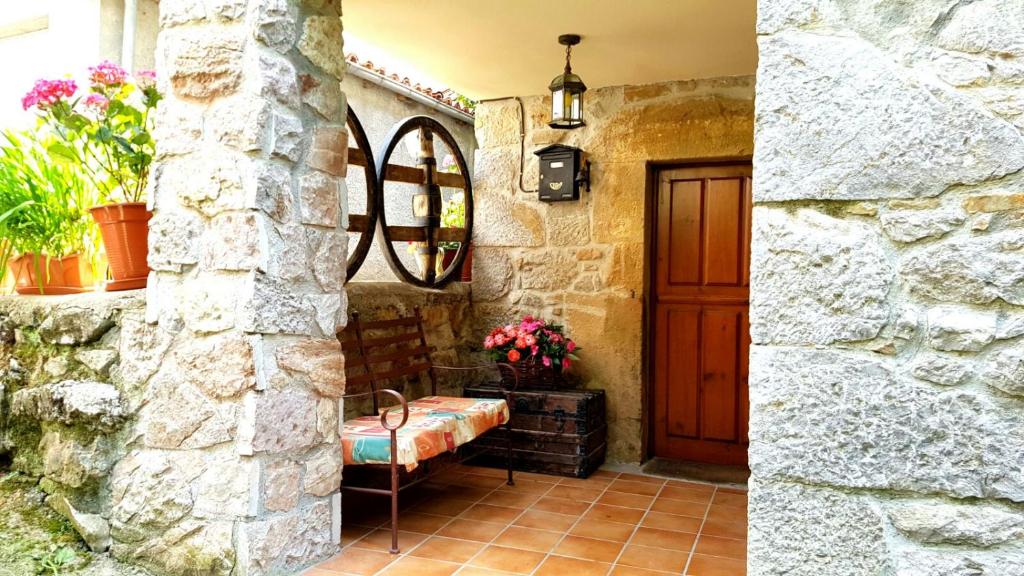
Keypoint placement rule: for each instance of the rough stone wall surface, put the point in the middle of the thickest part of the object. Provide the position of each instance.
(887, 285)
(380, 110)
(68, 398)
(582, 263)
(446, 323)
(234, 462)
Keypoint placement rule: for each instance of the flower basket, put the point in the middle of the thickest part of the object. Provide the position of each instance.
(540, 352)
(535, 375)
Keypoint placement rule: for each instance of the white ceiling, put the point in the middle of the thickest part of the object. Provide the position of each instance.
(495, 48)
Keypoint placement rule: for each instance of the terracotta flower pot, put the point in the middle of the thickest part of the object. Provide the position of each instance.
(125, 230)
(68, 275)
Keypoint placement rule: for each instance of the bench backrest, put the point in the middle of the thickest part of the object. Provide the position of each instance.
(381, 351)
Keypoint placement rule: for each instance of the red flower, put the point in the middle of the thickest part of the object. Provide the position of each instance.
(107, 73)
(520, 343)
(570, 346)
(513, 355)
(47, 92)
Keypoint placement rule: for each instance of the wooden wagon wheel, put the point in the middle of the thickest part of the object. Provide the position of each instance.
(426, 205)
(361, 155)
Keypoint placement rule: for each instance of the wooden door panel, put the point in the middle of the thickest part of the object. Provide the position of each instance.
(701, 325)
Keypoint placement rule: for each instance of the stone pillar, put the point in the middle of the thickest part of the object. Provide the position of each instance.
(887, 289)
(235, 466)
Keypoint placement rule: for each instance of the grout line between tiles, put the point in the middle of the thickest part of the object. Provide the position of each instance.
(637, 527)
(693, 547)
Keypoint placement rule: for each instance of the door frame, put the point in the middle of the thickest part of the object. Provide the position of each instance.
(654, 169)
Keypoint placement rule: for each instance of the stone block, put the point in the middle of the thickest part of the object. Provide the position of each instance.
(274, 24)
(175, 127)
(270, 187)
(960, 329)
(319, 200)
(323, 472)
(329, 150)
(890, 134)
(969, 269)
(281, 489)
(276, 77)
(913, 225)
(152, 489)
(91, 405)
(492, 274)
(1003, 369)
(141, 348)
(208, 303)
(210, 182)
(228, 488)
(885, 432)
(177, 415)
(279, 421)
(330, 312)
(323, 95)
(80, 322)
(288, 137)
(993, 203)
(173, 240)
(618, 199)
(321, 361)
(286, 543)
(497, 123)
(799, 530)
(330, 262)
(271, 305)
(546, 270)
(205, 62)
(816, 279)
(77, 462)
(981, 525)
(189, 547)
(321, 42)
(98, 360)
(221, 366)
(568, 225)
(241, 122)
(944, 370)
(234, 241)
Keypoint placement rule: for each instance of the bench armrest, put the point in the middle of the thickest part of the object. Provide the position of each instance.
(384, 413)
(499, 365)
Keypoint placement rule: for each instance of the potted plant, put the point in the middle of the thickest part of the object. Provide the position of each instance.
(540, 351)
(106, 134)
(49, 244)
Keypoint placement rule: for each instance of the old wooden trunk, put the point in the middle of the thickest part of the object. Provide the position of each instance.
(553, 431)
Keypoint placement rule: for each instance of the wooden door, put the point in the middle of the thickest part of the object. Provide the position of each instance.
(700, 314)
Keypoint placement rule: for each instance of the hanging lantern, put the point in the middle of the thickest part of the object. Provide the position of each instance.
(567, 91)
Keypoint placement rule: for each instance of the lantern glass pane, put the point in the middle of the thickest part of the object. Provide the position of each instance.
(577, 107)
(556, 105)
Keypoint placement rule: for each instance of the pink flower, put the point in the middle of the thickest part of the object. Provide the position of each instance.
(513, 355)
(570, 346)
(500, 340)
(46, 93)
(488, 343)
(534, 349)
(107, 73)
(145, 78)
(530, 339)
(566, 362)
(547, 361)
(97, 101)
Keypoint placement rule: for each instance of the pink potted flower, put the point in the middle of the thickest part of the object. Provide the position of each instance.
(540, 351)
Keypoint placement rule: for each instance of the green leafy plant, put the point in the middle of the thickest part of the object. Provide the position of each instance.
(453, 215)
(55, 561)
(43, 205)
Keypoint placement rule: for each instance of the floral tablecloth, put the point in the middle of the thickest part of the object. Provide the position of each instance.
(437, 424)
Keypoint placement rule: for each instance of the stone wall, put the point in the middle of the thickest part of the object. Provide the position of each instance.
(582, 263)
(68, 398)
(887, 373)
(380, 110)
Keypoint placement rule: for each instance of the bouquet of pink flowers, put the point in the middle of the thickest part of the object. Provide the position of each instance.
(531, 340)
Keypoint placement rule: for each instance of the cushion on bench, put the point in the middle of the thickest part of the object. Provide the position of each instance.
(437, 424)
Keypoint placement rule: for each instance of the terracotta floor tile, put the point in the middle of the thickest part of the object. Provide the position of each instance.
(358, 561)
(478, 571)
(537, 477)
(654, 558)
(696, 486)
(664, 521)
(736, 528)
(588, 549)
(480, 481)
(370, 519)
(641, 478)
(688, 494)
(421, 523)
(486, 471)
(508, 559)
(620, 570)
(728, 499)
(560, 506)
(447, 549)
(529, 486)
(528, 539)
(586, 482)
(701, 565)
(645, 488)
(319, 572)
(488, 513)
(519, 500)
(420, 567)
(471, 530)
(545, 520)
(668, 539)
(472, 493)
(350, 533)
(727, 513)
(381, 540)
(578, 494)
(729, 490)
(614, 514)
(444, 507)
(626, 500)
(717, 546)
(604, 474)
(603, 530)
(680, 507)
(560, 566)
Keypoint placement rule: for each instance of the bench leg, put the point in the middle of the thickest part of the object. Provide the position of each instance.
(394, 493)
(508, 455)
